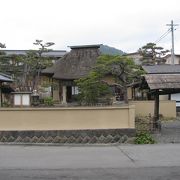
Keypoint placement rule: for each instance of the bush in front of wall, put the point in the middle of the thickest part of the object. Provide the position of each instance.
(6, 104)
(48, 101)
(144, 138)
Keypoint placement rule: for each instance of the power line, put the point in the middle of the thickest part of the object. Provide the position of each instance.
(163, 36)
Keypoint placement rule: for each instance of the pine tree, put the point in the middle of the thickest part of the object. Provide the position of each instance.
(152, 54)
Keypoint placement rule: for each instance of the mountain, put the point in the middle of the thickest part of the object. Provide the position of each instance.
(110, 50)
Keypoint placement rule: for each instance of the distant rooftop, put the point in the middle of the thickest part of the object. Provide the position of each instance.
(169, 55)
(162, 69)
(5, 78)
(53, 53)
(133, 53)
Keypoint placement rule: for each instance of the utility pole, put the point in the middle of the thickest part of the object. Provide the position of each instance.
(172, 34)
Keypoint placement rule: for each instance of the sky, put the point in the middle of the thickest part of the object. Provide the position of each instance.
(123, 24)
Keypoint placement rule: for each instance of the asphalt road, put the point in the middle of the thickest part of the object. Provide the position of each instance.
(136, 162)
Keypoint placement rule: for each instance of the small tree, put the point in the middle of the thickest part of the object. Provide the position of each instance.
(91, 89)
(152, 54)
(2, 58)
(2, 45)
(41, 62)
(122, 69)
(25, 68)
(11, 65)
(34, 62)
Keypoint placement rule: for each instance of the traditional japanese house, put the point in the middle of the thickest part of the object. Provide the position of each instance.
(74, 65)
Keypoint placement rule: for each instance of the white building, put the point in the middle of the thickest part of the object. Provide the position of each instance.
(176, 59)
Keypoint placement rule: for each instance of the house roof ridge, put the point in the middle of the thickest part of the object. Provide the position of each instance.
(85, 46)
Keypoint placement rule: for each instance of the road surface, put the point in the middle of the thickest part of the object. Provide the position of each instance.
(136, 162)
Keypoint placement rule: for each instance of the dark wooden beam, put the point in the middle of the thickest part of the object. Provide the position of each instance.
(0, 94)
(156, 111)
(165, 91)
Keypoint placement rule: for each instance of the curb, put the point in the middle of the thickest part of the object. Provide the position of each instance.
(61, 145)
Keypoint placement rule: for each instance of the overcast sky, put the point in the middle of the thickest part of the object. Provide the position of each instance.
(123, 24)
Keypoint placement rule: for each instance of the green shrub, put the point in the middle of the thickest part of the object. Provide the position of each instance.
(6, 104)
(48, 101)
(91, 89)
(144, 138)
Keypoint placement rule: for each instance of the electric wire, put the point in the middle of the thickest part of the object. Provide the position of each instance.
(163, 36)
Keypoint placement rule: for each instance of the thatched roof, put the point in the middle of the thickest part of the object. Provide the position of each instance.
(76, 64)
(163, 81)
(49, 70)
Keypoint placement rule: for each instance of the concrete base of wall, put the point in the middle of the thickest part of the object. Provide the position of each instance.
(99, 136)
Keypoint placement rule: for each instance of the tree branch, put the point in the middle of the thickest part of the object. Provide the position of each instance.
(112, 84)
